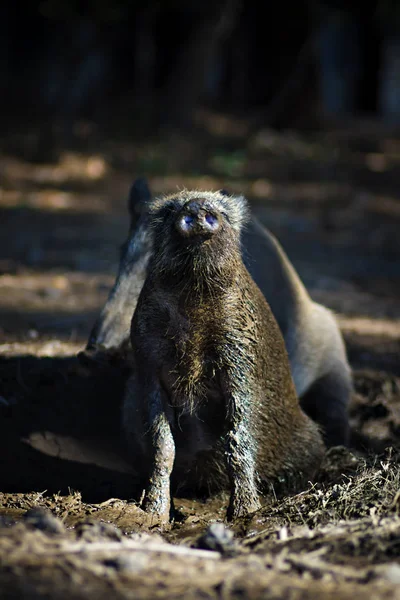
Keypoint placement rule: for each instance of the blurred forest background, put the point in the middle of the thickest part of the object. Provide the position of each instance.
(157, 63)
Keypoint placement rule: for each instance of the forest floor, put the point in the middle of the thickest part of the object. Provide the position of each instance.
(333, 200)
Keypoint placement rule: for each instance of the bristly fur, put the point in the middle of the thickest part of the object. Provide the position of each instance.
(199, 271)
(211, 376)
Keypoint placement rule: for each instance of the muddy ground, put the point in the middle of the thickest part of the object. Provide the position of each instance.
(333, 199)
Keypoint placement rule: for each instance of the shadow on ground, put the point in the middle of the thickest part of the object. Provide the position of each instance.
(59, 429)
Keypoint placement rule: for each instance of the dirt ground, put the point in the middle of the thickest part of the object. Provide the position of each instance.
(67, 527)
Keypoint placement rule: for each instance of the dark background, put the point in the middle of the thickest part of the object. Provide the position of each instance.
(281, 64)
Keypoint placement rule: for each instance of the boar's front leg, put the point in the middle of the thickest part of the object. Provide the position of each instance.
(144, 410)
(240, 452)
(157, 498)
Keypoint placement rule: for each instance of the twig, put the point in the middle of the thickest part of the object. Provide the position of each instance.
(89, 547)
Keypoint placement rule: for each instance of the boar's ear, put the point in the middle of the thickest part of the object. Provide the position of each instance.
(139, 194)
(224, 192)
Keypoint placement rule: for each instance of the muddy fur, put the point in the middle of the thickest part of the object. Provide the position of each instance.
(111, 329)
(315, 346)
(211, 399)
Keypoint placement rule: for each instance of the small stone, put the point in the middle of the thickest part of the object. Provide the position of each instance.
(219, 538)
(92, 531)
(391, 572)
(44, 520)
(283, 534)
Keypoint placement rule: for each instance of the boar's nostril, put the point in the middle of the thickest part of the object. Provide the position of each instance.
(189, 219)
(211, 220)
(186, 223)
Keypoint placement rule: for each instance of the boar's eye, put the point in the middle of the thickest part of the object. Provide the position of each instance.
(166, 211)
